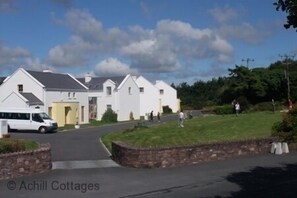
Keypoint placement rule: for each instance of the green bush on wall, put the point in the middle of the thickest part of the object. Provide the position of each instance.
(109, 116)
(11, 145)
(287, 128)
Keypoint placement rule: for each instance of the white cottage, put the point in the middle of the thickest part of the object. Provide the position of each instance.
(149, 97)
(121, 94)
(168, 96)
(63, 97)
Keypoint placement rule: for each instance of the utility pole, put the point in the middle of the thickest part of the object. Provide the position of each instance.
(286, 58)
(247, 61)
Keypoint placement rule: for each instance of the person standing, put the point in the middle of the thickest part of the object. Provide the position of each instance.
(273, 105)
(158, 116)
(290, 104)
(237, 108)
(152, 116)
(181, 117)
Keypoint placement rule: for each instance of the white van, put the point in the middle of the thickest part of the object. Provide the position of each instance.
(28, 119)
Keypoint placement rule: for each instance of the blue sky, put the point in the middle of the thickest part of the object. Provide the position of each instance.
(173, 40)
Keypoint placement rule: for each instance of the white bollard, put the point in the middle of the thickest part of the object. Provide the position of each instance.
(273, 147)
(278, 150)
(285, 147)
(3, 128)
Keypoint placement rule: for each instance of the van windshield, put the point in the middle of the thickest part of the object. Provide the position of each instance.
(44, 116)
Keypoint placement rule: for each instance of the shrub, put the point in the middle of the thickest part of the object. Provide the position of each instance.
(109, 116)
(266, 106)
(223, 110)
(10, 145)
(287, 128)
(167, 109)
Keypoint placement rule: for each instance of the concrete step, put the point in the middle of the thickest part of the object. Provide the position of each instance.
(62, 165)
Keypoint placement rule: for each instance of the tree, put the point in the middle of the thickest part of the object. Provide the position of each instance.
(290, 7)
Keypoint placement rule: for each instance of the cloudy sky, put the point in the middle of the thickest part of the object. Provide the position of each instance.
(174, 40)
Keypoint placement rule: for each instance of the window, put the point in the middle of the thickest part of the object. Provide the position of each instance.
(24, 116)
(36, 117)
(2, 115)
(108, 106)
(161, 91)
(69, 94)
(73, 95)
(129, 90)
(108, 91)
(20, 88)
(141, 89)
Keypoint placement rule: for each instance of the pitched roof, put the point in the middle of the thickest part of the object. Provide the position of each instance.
(54, 81)
(96, 83)
(32, 99)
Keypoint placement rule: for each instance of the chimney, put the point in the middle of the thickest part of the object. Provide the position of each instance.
(88, 78)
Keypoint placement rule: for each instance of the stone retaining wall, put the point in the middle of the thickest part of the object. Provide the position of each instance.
(130, 156)
(25, 163)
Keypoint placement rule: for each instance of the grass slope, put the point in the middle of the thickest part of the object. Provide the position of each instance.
(199, 130)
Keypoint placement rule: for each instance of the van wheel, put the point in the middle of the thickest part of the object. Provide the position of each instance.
(42, 129)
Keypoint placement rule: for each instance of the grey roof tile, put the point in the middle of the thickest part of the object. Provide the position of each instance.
(33, 100)
(54, 81)
(97, 82)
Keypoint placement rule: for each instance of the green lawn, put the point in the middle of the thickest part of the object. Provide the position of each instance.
(199, 130)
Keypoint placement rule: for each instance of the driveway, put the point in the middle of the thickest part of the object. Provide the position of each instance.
(83, 144)
(78, 144)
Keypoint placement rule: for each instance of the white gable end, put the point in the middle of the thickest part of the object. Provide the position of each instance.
(149, 97)
(167, 95)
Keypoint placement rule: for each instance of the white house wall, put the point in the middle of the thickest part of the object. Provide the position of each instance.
(149, 98)
(15, 100)
(128, 102)
(104, 99)
(169, 96)
(20, 77)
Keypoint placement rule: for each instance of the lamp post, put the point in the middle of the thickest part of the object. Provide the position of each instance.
(247, 61)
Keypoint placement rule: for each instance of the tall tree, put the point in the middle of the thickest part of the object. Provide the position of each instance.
(290, 7)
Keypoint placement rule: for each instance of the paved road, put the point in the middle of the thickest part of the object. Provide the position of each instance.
(254, 176)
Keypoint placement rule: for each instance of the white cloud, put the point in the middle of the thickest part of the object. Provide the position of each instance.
(113, 67)
(145, 47)
(221, 45)
(241, 31)
(223, 15)
(244, 32)
(83, 24)
(7, 5)
(161, 49)
(12, 56)
(182, 30)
